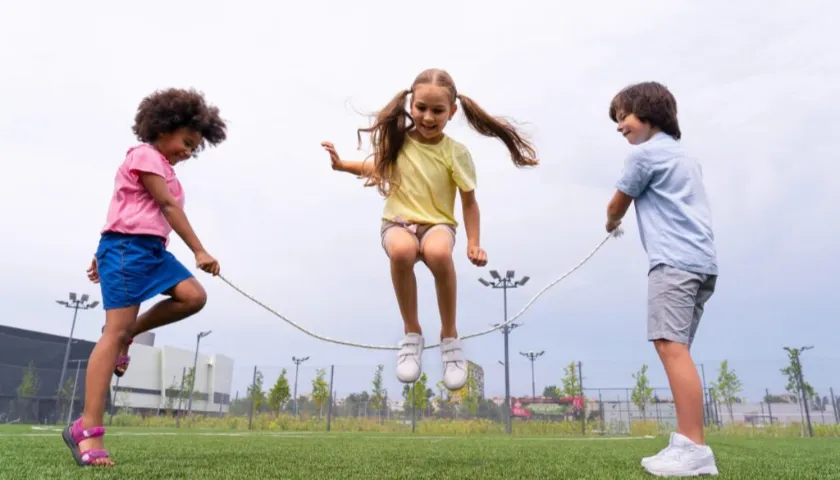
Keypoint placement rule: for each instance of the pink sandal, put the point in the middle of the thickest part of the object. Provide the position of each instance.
(75, 433)
(123, 361)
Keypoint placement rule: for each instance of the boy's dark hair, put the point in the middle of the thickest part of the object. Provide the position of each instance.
(165, 111)
(650, 102)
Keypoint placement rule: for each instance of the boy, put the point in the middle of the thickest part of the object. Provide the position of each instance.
(674, 221)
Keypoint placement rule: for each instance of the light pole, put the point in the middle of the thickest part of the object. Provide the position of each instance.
(195, 367)
(75, 303)
(73, 395)
(505, 283)
(797, 364)
(297, 361)
(533, 356)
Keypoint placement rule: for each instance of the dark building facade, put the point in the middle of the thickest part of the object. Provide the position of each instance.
(30, 369)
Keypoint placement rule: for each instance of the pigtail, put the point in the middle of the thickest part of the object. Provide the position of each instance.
(387, 136)
(521, 151)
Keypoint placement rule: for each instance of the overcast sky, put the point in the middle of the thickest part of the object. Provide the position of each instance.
(758, 93)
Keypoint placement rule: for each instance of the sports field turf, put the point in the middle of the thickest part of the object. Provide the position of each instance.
(193, 454)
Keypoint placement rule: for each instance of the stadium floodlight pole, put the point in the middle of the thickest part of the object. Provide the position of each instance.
(533, 356)
(195, 367)
(297, 361)
(505, 283)
(76, 303)
(794, 353)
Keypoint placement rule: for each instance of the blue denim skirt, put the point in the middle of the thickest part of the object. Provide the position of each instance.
(135, 268)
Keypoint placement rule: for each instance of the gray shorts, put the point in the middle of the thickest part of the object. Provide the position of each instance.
(676, 299)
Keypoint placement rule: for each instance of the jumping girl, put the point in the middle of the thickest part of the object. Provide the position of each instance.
(417, 168)
(132, 263)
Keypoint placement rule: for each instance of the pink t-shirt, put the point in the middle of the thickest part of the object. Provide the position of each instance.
(133, 210)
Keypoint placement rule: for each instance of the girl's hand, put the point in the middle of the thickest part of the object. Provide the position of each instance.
(93, 272)
(337, 164)
(477, 255)
(204, 261)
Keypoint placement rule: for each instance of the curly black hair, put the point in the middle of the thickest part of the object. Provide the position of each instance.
(165, 111)
(651, 102)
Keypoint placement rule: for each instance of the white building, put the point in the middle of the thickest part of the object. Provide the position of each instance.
(153, 370)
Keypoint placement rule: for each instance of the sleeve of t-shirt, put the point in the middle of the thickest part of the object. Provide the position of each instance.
(146, 160)
(636, 174)
(463, 169)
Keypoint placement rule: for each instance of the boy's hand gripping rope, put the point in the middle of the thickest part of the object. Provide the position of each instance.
(616, 233)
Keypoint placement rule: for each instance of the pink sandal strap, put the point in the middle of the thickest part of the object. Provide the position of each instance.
(80, 433)
(89, 456)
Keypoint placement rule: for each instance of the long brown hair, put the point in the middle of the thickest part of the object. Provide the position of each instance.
(393, 122)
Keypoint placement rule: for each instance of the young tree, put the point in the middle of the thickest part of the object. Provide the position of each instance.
(727, 387)
(320, 391)
(471, 400)
(256, 393)
(29, 383)
(189, 384)
(793, 373)
(571, 382)
(642, 393)
(279, 394)
(64, 397)
(419, 396)
(171, 395)
(377, 399)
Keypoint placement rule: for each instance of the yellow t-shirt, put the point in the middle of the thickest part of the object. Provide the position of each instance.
(429, 177)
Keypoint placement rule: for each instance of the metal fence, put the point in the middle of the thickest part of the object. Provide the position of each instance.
(342, 393)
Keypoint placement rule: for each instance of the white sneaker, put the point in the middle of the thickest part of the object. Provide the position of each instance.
(682, 458)
(409, 358)
(662, 452)
(454, 363)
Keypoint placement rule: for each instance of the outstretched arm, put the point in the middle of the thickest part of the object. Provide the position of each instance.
(359, 169)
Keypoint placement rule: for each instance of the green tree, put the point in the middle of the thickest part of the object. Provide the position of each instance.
(552, 391)
(642, 392)
(727, 387)
(256, 393)
(320, 391)
(377, 398)
(279, 394)
(171, 395)
(29, 383)
(571, 382)
(189, 384)
(421, 398)
(793, 372)
(471, 400)
(64, 397)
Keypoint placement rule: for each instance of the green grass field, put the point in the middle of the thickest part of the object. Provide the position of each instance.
(142, 453)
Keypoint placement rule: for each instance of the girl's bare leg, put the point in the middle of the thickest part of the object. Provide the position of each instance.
(100, 368)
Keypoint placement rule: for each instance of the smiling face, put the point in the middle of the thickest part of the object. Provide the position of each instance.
(179, 145)
(634, 130)
(432, 107)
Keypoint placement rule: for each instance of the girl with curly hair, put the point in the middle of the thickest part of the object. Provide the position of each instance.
(132, 264)
(419, 169)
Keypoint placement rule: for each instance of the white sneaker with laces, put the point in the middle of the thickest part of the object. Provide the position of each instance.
(409, 358)
(647, 460)
(682, 458)
(454, 363)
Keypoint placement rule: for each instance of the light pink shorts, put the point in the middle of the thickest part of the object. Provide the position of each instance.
(420, 231)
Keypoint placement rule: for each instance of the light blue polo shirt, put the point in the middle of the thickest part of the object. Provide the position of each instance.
(672, 210)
